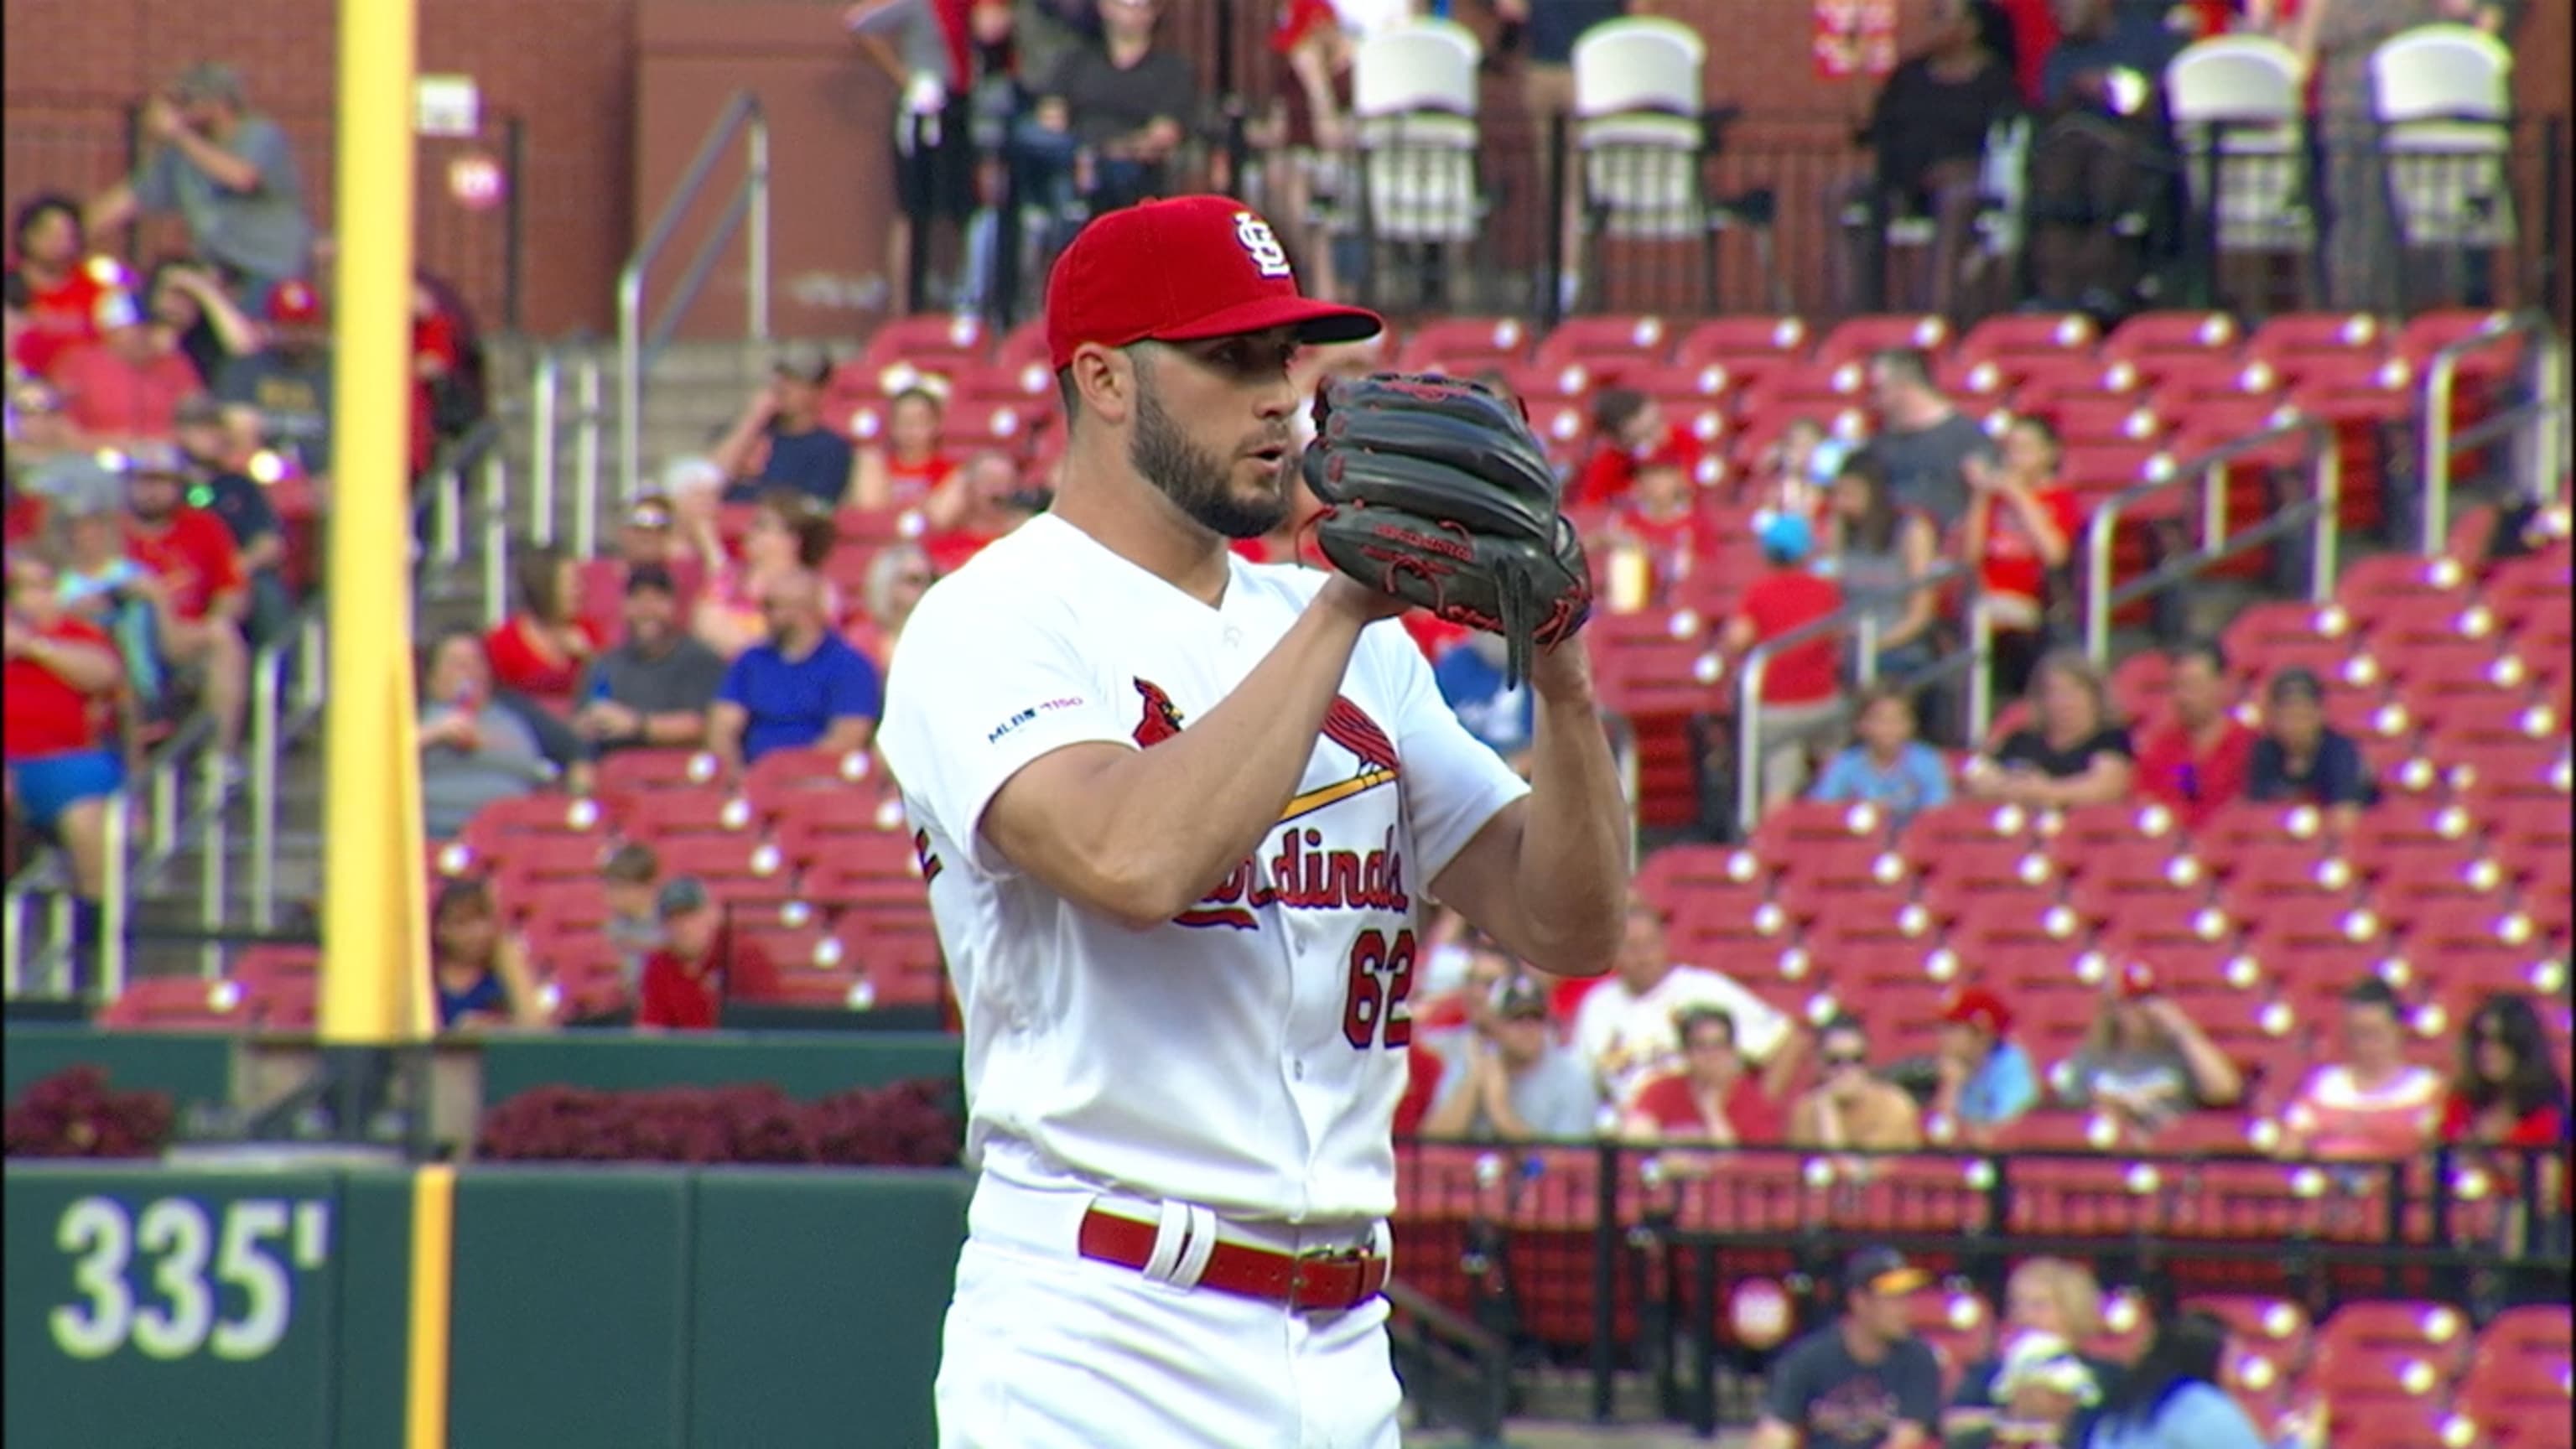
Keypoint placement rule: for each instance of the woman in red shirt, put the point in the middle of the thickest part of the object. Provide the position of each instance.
(62, 680)
(1715, 1097)
(541, 649)
(2019, 529)
(904, 470)
(2507, 1093)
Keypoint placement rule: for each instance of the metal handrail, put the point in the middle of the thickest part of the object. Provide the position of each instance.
(1853, 617)
(2322, 508)
(2546, 409)
(742, 116)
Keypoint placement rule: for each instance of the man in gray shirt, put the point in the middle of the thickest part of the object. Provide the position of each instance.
(1924, 441)
(653, 689)
(229, 173)
(1520, 1083)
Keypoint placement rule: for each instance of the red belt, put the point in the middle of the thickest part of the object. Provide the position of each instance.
(1320, 1281)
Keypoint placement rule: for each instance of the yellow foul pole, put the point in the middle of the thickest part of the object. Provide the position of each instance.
(375, 985)
(375, 935)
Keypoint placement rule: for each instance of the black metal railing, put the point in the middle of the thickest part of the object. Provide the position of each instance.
(1620, 1256)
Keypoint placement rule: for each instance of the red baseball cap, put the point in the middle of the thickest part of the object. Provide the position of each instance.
(1976, 1006)
(1180, 270)
(292, 303)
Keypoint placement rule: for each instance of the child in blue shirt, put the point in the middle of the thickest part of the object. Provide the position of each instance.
(1889, 767)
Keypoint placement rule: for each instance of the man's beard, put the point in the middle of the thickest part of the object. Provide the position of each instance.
(1194, 478)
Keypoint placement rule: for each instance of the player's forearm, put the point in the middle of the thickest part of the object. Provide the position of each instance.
(1573, 870)
(1175, 819)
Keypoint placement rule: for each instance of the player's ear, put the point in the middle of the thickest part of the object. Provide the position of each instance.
(1105, 380)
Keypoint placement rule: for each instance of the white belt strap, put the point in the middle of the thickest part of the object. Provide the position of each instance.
(1184, 1236)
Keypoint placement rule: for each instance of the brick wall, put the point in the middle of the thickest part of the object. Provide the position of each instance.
(567, 70)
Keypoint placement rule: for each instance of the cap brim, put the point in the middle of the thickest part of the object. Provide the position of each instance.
(1315, 321)
(1900, 1280)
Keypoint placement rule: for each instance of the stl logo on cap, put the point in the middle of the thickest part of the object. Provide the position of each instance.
(1261, 244)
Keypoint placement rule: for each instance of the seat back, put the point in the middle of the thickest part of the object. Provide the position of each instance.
(2442, 72)
(1425, 67)
(2234, 78)
(1638, 65)
(1641, 174)
(2241, 96)
(2443, 94)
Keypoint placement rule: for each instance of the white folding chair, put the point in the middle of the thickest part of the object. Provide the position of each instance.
(1413, 94)
(2238, 104)
(2444, 97)
(1638, 65)
(1637, 126)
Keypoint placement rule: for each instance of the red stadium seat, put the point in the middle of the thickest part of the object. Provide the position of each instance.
(693, 810)
(630, 773)
(735, 868)
(176, 1003)
(925, 342)
(2008, 342)
(1605, 345)
(1856, 338)
(1465, 344)
(2291, 339)
(1744, 345)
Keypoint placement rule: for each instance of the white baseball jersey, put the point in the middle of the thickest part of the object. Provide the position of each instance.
(1247, 1055)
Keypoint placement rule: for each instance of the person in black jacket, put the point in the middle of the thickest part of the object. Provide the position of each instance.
(1928, 129)
(2301, 758)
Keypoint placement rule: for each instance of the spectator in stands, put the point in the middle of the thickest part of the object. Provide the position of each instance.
(1486, 968)
(1109, 118)
(701, 964)
(2174, 1396)
(1888, 767)
(1628, 428)
(127, 385)
(1518, 1083)
(1796, 472)
(929, 51)
(1472, 682)
(1924, 442)
(202, 594)
(55, 285)
(911, 462)
(1864, 1381)
(188, 302)
(2019, 533)
(898, 575)
(96, 577)
(220, 482)
(630, 883)
(787, 535)
(478, 970)
(1423, 1073)
(1311, 126)
(1879, 551)
(1800, 710)
(1851, 1108)
(654, 689)
(229, 173)
(979, 503)
(2103, 37)
(2146, 1060)
(1661, 515)
(62, 680)
(2373, 1105)
(2203, 758)
(1547, 31)
(2074, 754)
(473, 749)
(645, 535)
(545, 645)
(1626, 1025)
(1714, 1098)
(781, 440)
(2300, 758)
(282, 392)
(806, 687)
(1928, 128)
(2507, 1093)
(2050, 1306)
(1984, 1080)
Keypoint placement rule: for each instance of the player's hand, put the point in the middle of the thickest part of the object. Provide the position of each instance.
(1354, 600)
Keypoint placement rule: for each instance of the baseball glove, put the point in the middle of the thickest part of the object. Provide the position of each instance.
(1436, 491)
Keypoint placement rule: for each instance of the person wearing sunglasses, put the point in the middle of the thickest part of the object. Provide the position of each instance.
(1851, 1108)
(896, 579)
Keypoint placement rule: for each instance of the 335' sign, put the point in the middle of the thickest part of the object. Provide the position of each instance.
(227, 1290)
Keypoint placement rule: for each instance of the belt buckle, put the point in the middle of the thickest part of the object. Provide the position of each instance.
(1301, 1263)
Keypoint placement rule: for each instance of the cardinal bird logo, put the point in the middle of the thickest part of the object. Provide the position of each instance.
(1162, 717)
(1348, 726)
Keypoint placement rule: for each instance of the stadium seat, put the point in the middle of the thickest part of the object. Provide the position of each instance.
(1855, 339)
(1465, 345)
(2154, 343)
(1605, 345)
(925, 342)
(176, 1003)
(2291, 340)
(2011, 342)
(1745, 346)
(630, 773)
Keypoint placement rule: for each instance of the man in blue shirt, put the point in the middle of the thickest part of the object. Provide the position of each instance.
(1986, 1081)
(1470, 676)
(781, 439)
(806, 687)
(1889, 767)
